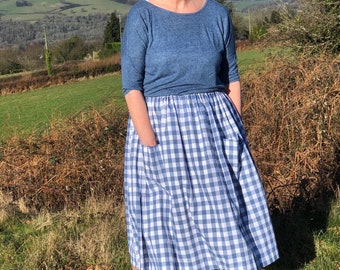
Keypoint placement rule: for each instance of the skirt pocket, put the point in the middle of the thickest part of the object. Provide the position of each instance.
(233, 148)
(152, 160)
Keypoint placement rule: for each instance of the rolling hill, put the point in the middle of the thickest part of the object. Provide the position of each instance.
(32, 10)
(22, 21)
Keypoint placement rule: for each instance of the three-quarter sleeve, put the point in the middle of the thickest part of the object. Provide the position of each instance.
(133, 51)
(229, 63)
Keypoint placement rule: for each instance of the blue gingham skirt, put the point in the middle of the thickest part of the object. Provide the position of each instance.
(195, 200)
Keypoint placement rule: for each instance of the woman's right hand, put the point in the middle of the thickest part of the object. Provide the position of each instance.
(140, 117)
(148, 140)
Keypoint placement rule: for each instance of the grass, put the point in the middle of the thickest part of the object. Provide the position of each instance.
(327, 243)
(252, 59)
(92, 236)
(30, 112)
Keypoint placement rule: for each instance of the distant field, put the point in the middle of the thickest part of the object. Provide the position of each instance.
(9, 10)
(240, 5)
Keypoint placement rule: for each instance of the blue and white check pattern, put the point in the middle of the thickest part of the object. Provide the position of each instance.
(195, 200)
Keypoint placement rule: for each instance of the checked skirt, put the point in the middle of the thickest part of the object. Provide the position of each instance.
(195, 200)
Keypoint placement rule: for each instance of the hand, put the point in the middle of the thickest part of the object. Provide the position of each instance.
(149, 141)
(140, 117)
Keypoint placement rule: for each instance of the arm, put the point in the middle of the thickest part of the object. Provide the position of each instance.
(234, 92)
(140, 117)
(233, 85)
(134, 44)
(229, 65)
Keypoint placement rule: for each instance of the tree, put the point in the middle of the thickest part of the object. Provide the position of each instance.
(312, 27)
(70, 49)
(112, 29)
(239, 24)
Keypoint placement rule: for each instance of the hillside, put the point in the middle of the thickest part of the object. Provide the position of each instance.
(58, 27)
(22, 21)
(32, 10)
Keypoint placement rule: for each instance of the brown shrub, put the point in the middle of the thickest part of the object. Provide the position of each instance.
(74, 160)
(61, 74)
(292, 117)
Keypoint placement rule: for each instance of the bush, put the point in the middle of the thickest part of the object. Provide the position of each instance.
(11, 67)
(73, 161)
(61, 74)
(313, 27)
(114, 46)
(109, 50)
(292, 115)
(70, 49)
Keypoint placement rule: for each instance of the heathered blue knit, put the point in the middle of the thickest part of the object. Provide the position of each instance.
(163, 52)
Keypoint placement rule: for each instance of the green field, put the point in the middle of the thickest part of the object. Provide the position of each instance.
(240, 5)
(9, 10)
(29, 112)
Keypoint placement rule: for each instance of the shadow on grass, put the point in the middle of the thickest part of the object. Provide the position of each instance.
(295, 229)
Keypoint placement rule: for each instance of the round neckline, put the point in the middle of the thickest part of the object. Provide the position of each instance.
(178, 13)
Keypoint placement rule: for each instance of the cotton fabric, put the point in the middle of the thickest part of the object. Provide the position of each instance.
(195, 200)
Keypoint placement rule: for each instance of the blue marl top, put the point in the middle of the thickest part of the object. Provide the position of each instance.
(169, 53)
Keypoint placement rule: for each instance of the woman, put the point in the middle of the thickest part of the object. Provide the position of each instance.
(194, 199)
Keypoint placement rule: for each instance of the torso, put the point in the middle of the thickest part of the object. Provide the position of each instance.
(182, 53)
(181, 49)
